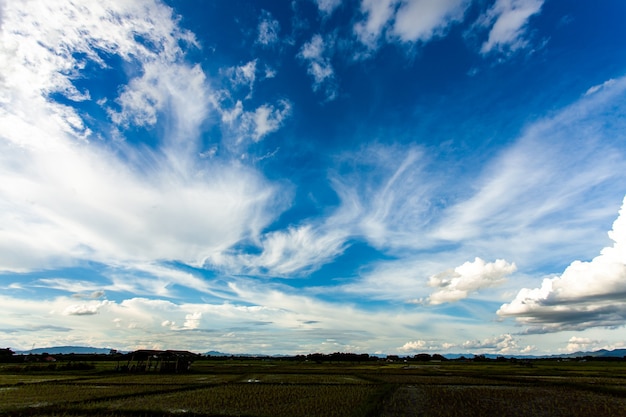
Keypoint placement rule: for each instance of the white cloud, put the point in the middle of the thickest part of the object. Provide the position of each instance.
(542, 199)
(327, 7)
(578, 344)
(269, 29)
(586, 294)
(85, 309)
(500, 344)
(508, 20)
(267, 119)
(415, 346)
(243, 126)
(596, 88)
(549, 190)
(270, 72)
(407, 20)
(66, 196)
(378, 14)
(243, 75)
(295, 251)
(421, 20)
(290, 323)
(192, 321)
(385, 196)
(454, 285)
(315, 54)
(176, 94)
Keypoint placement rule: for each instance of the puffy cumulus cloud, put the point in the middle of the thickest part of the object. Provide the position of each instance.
(500, 344)
(507, 21)
(456, 284)
(421, 346)
(269, 29)
(87, 309)
(315, 54)
(192, 321)
(586, 294)
(61, 197)
(578, 344)
(407, 20)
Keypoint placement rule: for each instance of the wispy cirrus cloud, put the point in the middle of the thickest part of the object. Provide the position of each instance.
(293, 252)
(507, 21)
(384, 193)
(290, 323)
(500, 213)
(572, 157)
(61, 197)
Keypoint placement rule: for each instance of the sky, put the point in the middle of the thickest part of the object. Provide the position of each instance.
(276, 177)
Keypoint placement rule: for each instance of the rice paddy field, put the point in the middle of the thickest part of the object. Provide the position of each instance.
(278, 388)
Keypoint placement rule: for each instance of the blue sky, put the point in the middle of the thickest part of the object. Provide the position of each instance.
(391, 176)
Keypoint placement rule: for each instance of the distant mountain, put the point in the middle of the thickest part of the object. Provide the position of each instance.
(56, 350)
(216, 353)
(602, 353)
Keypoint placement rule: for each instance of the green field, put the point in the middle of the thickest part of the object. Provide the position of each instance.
(290, 388)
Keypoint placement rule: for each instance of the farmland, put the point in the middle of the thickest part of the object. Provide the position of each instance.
(254, 387)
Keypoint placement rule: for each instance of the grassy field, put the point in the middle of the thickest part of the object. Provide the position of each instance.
(289, 388)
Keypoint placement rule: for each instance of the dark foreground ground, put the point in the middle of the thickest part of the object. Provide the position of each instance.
(291, 388)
